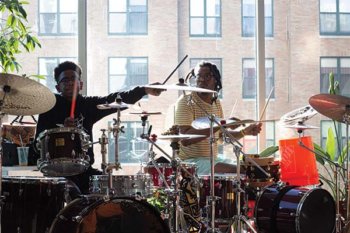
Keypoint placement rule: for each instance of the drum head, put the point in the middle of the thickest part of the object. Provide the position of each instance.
(122, 215)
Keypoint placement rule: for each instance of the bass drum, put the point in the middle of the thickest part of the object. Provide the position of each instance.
(93, 213)
(292, 209)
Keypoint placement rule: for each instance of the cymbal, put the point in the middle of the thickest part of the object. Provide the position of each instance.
(24, 96)
(180, 87)
(204, 122)
(121, 106)
(299, 115)
(179, 137)
(334, 107)
(144, 113)
(298, 126)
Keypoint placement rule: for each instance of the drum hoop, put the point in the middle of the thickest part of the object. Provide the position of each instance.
(61, 130)
(129, 177)
(35, 179)
(220, 177)
(168, 165)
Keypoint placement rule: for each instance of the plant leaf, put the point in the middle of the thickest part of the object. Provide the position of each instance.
(330, 144)
(269, 151)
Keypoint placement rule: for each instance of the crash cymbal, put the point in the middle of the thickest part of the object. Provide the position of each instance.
(335, 107)
(180, 87)
(121, 106)
(299, 115)
(145, 113)
(244, 122)
(23, 96)
(204, 122)
(179, 137)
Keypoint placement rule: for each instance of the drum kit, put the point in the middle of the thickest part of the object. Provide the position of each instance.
(264, 195)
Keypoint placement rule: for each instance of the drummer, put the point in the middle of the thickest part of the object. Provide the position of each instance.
(86, 113)
(197, 150)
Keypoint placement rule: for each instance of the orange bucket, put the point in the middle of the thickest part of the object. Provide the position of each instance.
(298, 164)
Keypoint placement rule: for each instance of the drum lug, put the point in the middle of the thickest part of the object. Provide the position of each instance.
(72, 136)
(77, 218)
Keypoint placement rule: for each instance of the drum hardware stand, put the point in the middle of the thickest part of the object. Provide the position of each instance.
(116, 129)
(103, 141)
(339, 218)
(178, 222)
(212, 197)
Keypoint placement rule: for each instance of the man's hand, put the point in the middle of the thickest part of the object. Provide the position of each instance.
(253, 129)
(69, 122)
(154, 91)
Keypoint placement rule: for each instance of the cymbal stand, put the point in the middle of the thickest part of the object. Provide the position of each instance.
(237, 149)
(116, 129)
(338, 168)
(178, 223)
(103, 140)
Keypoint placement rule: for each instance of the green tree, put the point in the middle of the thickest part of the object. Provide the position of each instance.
(15, 34)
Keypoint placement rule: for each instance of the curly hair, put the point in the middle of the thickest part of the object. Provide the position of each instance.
(67, 65)
(213, 69)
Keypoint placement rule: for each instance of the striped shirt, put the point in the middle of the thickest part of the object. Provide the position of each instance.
(186, 113)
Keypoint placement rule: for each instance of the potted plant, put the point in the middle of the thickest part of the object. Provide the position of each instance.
(15, 34)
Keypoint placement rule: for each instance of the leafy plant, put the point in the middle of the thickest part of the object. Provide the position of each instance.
(15, 35)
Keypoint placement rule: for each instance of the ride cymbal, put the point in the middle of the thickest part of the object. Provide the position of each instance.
(179, 137)
(180, 87)
(145, 113)
(335, 107)
(23, 96)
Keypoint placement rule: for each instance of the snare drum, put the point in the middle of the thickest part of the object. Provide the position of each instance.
(31, 203)
(224, 186)
(128, 186)
(63, 152)
(93, 213)
(292, 209)
(167, 171)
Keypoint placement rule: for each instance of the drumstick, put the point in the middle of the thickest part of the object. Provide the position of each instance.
(74, 99)
(175, 69)
(233, 109)
(267, 102)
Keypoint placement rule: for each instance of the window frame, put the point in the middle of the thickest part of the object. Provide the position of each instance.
(128, 20)
(244, 34)
(337, 14)
(58, 14)
(205, 19)
(268, 89)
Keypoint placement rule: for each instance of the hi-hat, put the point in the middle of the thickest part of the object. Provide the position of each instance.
(299, 115)
(23, 96)
(335, 107)
(145, 113)
(114, 105)
(299, 126)
(179, 137)
(180, 87)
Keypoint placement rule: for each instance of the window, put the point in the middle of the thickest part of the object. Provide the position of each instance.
(58, 17)
(334, 17)
(131, 148)
(216, 61)
(205, 18)
(127, 17)
(248, 18)
(340, 131)
(46, 68)
(126, 73)
(249, 78)
(341, 69)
